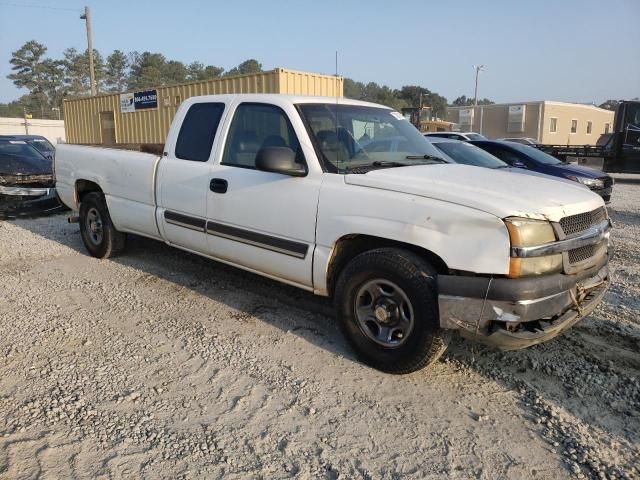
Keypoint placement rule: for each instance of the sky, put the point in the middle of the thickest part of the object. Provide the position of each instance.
(565, 50)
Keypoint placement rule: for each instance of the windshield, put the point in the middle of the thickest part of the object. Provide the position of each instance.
(42, 145)
(475, 136)
(16, 150)
(535, 154)
(469, 154)
(366, 137)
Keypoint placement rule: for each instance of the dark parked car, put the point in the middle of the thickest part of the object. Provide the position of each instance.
(39, 142)
(26, 180)
(524, 156)
(463, 152)
(463, 136)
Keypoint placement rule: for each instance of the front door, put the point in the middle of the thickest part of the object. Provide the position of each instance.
(183, 176)
(108, 128)
(261, 220)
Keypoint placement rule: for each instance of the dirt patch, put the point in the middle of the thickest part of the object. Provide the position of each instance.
(161, 364)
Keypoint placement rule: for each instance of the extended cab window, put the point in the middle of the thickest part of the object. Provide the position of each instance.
(257, 126)
(198, 131)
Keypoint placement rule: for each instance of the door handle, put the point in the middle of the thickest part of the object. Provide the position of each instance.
(218, 185)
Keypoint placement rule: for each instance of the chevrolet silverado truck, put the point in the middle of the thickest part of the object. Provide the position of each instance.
(408, 245)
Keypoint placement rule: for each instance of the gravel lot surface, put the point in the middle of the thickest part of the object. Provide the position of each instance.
(161, 364)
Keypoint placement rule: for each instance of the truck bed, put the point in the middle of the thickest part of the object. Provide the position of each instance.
(127, 179)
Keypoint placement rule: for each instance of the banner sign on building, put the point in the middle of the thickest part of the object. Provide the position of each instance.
(131, 102)
(126, 103)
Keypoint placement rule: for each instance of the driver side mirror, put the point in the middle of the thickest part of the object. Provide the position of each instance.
(279, 160)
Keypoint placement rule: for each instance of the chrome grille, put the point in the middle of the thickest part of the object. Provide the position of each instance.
(580, 254)
(574, 224)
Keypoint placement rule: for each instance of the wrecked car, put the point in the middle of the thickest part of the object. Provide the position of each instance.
(26, 181)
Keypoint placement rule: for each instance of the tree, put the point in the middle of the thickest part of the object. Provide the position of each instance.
(145, 70)
(115, 71)
(76, 71)
(174, 72)
(353, 89)
(211, 71)
(610, 104)
(27, 64)
(413, 94)
(463, 101)
(246, 67)
(42, 77)
(52, 87)
(197, 71)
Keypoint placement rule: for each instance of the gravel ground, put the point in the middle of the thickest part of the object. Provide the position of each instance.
(161, 364)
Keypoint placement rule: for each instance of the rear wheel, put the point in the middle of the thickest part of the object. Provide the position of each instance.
(387, 306)
(98, 233)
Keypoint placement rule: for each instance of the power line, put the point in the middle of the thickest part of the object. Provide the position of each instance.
(46, 7)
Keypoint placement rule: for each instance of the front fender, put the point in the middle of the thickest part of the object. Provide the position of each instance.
(464, 238)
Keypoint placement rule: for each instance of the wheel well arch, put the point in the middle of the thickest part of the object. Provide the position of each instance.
(349, 246)
(83, 187)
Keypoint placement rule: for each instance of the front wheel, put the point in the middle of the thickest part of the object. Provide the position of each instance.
(98, 233)
(387, 307)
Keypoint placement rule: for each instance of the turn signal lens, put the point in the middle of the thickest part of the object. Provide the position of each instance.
(525, 267)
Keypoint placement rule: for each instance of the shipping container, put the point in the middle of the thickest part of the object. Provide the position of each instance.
(143, 117)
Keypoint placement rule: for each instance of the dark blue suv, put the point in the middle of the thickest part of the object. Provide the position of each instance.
(524, 156)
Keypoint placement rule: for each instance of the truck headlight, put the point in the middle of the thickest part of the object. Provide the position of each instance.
(524, 232)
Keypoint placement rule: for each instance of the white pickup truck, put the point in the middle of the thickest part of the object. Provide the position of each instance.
(410, 247)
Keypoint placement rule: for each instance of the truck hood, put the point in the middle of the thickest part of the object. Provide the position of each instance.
(25, 166)
(500, 193)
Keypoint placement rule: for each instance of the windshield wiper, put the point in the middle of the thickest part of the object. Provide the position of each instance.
(426, 157)
(381, 163)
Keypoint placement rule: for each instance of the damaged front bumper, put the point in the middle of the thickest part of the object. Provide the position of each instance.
(516, 313)
(16, 201)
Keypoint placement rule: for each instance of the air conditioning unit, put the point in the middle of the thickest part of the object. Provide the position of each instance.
(465, 119)
(515, 122)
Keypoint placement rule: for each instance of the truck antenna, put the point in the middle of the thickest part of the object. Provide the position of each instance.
(336, 117)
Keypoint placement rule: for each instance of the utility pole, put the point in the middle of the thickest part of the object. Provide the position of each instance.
(92, 75)
(478, 69)
(26, 122)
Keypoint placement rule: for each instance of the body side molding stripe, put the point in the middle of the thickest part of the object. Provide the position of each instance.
(261, 240)
(186, 221)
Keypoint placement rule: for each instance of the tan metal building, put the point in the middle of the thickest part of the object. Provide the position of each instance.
(547, 122)
(145, 116)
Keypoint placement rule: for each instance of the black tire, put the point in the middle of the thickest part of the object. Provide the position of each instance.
(107, 242)
(391, 269)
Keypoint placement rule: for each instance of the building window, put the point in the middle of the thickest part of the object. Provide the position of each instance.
(553, 125)
(589, 126)
(574, 126)
(607, 127)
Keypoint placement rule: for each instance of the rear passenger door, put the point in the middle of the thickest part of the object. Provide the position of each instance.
(184, 173)
(260, 220)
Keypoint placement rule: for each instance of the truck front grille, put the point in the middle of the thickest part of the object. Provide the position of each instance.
(27, 181)
(580, 254)
(575, 224)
